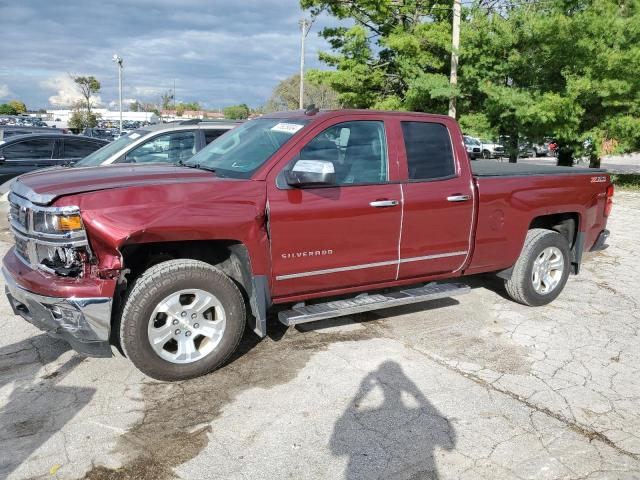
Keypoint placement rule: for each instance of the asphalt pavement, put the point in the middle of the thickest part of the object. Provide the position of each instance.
(473, 387)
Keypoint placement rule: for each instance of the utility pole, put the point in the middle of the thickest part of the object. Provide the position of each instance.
(455, 45)
(304, 26)
(117, 59)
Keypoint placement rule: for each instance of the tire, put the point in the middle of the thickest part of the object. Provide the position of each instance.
(522, 286)
(156, 298)
(486, 154)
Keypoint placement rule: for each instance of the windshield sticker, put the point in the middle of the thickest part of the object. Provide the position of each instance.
(287, 127)
(133, 136)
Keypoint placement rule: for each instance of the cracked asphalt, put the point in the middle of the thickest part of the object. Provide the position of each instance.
(472, 387)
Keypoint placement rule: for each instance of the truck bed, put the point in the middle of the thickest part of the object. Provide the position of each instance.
(491, 168)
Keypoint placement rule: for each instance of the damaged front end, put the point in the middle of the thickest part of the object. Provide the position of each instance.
(52, 239)
(48, 276)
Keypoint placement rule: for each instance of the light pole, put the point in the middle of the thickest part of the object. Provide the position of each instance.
(304, 26)
(455, 46)
(118, 60)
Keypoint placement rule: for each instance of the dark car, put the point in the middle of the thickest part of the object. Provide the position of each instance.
(7, 131)
(24, 153)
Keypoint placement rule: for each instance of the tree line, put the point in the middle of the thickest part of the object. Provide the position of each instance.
(566, 69)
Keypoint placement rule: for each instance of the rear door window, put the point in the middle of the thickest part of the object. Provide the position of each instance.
(169, 148)
(76, 148)
(211, 135)
(429, 150)
(36, 148)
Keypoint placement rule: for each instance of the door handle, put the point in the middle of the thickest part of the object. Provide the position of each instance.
(458, 198)
(384, 203)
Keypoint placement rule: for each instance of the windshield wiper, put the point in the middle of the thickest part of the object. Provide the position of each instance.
(195, 165)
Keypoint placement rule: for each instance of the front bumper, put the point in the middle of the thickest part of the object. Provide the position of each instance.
(82, 322)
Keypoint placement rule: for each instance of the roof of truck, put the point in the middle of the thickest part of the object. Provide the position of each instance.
(323, 114)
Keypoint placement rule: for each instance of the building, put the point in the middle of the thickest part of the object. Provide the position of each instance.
(61, 116)
(191, 114)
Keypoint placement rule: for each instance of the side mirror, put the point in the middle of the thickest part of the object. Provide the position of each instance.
(311, 172)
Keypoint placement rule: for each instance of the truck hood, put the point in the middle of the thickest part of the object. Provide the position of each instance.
(43, 187)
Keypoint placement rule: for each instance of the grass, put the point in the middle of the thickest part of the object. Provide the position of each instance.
(626, 181)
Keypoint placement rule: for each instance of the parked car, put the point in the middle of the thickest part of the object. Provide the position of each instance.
(284, 213)
(492, 150)
(7, 131)
(473, 146)
(24, 153)
(526, 149)
(102, 133)
(166, 143)
(541, 149)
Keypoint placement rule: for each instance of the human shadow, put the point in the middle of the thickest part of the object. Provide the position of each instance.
(396, 436)
(37, 406)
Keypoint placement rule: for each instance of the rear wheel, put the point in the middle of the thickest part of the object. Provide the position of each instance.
(541, 271)
(182, 319)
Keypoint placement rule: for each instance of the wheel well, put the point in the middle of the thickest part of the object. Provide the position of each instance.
(563, 223)
(230, 256)
(567, 225)
(139, 257)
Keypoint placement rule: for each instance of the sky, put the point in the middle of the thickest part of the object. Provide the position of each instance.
(218, 52)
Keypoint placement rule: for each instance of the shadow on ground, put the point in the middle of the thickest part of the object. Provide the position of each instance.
(37, 408)
(393, 437)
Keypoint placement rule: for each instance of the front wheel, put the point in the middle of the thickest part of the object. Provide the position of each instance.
(182, 319)
(541, 271)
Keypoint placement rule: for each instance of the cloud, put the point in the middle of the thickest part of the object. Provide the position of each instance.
(148, 91)
(217, 52)
(4, 90)
(67, 92)
(126, 102)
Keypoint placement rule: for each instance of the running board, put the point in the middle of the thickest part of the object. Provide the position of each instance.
(301, 313)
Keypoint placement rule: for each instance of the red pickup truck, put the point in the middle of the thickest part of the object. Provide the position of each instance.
(309, 214)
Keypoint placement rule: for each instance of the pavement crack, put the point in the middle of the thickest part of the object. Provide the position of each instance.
(583, 430)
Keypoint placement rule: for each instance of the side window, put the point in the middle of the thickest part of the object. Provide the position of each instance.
(79, 148)
(29, 149)
(358, 151)
(170, 148)
(429, 151)
(211, 135)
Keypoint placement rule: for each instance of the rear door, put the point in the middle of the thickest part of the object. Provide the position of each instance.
(74, 149)
(438, 198)
(24, 156)
(331, 237)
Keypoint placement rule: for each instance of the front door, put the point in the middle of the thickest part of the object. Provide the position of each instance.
(344, 235)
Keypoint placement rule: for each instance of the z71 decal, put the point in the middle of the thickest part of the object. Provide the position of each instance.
(598, 179)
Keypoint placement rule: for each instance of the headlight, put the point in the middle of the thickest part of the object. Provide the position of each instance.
(50, 222)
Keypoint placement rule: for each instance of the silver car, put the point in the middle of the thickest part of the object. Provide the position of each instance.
(165, 143)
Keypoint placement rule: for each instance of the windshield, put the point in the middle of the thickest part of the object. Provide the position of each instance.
(102, 154)
(471, 141)
(240, 152)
